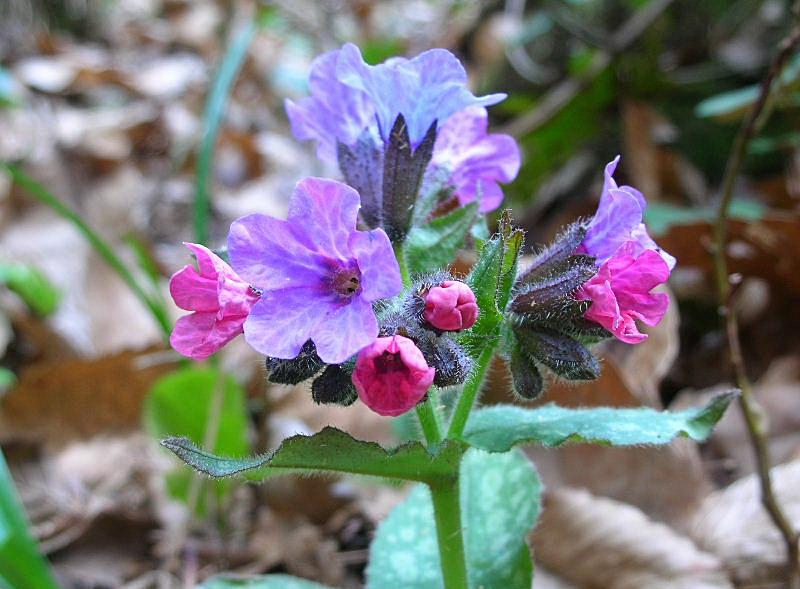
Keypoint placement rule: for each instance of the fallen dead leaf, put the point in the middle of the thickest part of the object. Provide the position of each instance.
(599, 543)
(58, 401)
(733, 524)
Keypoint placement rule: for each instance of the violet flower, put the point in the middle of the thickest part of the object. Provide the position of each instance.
(350, 98)
(473, 160)
(620, 292)
(380, 124)
(619, 219)
(318, 275)
(221, 302)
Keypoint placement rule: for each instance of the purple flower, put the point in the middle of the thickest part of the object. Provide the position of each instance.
(619, 219)
(350, 98)
(474, 159)
(335, 112)
(318, 275)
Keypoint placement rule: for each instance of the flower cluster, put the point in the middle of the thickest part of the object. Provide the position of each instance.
(407, 118)
(325, 301)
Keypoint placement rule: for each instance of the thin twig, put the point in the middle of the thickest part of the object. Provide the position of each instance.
(560, 96)
(753, 413)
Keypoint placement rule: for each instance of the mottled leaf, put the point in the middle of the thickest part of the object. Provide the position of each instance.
(501, 427)
(500, 495)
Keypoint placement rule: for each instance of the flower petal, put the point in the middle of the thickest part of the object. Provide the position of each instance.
(477, 161)
(345, 330)
(194, 292)
(199, 335)
(334, 111)
(326, 212)
(618, 214)
(270, 254)
(431, 87)
(283, 320)
(380, 272)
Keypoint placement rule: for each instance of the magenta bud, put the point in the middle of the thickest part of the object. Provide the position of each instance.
(391, 375)
(451, 306)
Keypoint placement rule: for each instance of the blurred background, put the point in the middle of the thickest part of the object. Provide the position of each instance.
(131, 112)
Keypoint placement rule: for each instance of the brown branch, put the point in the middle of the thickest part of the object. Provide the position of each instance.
(753, 413)
(562, 94)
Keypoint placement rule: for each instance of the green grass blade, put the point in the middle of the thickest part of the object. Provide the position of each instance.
(212, 118)
(41, 193)
(21, 565)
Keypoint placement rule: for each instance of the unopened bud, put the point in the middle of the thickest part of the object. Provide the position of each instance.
(391, 375)
(451, 306)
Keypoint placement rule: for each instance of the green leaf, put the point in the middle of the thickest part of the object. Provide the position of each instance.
(491, 280)
(501, 427)
(259, 582)
(434, 246)
(734, 104)
(189, 402)
(32, 286)
(330, 450)
(500, 499)
(181, 404)
(22, 566)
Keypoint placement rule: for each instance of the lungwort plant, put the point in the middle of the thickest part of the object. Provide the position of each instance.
(352, 292)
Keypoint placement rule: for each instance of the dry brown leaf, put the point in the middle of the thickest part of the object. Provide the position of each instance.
(543, 579)
(756, 248)
(599, 543)
(733, 524)
(58, 401)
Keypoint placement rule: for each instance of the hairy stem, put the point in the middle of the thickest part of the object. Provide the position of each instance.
(470, 392)
(753, 414)
(449, 533)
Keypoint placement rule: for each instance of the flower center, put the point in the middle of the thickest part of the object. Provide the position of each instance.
(388, 363)
(347, 281)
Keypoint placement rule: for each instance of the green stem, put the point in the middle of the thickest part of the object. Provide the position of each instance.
(429, 419)
(470, 392)
(212, 118)
(449, 533)
(101, 247)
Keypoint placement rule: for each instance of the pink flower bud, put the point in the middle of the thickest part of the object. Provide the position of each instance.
(451, 306)
(391, 375)
(221, 302)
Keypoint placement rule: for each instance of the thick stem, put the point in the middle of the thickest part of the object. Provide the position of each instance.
(470, 392)
(449, 533)
(751, 409)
